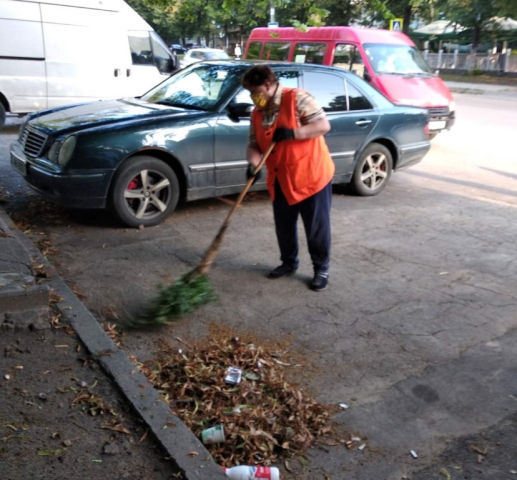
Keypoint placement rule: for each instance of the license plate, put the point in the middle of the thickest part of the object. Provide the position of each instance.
(19, 165)
(437, 125)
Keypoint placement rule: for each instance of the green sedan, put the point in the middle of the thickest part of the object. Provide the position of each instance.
(186, 140)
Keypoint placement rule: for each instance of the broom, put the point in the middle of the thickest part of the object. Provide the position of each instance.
(193, 289)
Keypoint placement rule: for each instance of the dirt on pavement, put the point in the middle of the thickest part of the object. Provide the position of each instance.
(62, 418)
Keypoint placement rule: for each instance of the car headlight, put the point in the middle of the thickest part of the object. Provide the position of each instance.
(54, 151)
(66, 150)
(452, 106)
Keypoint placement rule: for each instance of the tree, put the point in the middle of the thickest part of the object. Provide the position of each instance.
(477, 15)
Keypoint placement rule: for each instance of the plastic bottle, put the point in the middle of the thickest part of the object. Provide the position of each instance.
(245, 472)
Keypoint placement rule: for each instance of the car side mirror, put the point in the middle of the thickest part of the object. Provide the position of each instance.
(367, 76)
(240, 110)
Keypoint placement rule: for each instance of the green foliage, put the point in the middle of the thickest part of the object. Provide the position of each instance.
(192, 18)
(176, 300)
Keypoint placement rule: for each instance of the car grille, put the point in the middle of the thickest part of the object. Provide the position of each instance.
(33, 141)
(438, 111)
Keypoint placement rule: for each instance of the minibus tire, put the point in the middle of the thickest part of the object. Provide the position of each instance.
(129, 177)
(365, 172)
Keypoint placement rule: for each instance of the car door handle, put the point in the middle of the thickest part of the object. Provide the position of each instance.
(116, 72)
(128, 72)
(363, 122)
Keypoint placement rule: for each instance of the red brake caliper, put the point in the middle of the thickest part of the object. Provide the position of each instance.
(133, 185)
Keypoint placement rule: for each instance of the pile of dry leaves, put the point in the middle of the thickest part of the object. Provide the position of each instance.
(265, 418)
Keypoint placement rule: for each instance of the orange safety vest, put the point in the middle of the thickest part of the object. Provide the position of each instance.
(302, 167)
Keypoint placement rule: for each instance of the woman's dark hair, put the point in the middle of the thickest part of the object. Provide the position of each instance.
(257, 76)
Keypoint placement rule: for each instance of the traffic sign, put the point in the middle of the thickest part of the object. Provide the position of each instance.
(396, 24)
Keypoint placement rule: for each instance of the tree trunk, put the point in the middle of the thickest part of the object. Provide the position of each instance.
(348, 13)
(407, 18)
(475, 37)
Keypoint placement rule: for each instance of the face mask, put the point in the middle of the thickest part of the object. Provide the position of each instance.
(259, 100)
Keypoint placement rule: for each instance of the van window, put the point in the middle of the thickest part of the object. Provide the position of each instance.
(356, 100)
(254, 50)
(309, 53)
(162, 57)
(327, 89)
(141, 50)
(276, 51)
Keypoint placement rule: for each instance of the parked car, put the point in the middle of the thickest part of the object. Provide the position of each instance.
(179, 49)
(186, 139)
(199, 54)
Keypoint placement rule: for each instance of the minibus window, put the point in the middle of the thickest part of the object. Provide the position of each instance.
(309, 53)
(343, 56)
(276, 51)
(396, 59)
(357, 63)
(327, 89)
(254, 51)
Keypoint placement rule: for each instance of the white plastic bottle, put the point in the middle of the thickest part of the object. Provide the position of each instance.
(245, 472)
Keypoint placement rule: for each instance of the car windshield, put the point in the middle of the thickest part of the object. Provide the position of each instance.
(396, 59)
(199, 87)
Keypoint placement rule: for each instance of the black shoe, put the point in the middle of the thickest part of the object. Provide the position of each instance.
(319, 281)
(282, 271)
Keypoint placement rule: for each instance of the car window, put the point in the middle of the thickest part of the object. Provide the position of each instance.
(276, 50)
(357, 101)
(198, 86)
(254, 50)
(217, 55)
(309, 53)
(327, 89)
(288, 78)
(243, 96)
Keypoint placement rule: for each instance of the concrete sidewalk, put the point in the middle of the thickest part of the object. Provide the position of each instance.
(31, 293)
(479, 88)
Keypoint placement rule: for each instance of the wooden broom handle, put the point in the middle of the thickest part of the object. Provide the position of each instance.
(216, 243)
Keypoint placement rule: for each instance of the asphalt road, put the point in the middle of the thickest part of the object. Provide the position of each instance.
(417, 329)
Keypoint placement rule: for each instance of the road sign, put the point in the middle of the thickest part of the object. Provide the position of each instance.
(272, 25)
(396, 24)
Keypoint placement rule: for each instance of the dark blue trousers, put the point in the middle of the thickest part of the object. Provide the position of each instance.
(315, 213)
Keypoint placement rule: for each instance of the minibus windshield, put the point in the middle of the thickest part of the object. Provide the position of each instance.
(396, 59)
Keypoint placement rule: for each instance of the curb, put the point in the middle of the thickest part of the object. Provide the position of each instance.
(170, 432)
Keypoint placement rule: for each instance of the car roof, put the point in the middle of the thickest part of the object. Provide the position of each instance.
(275, 64)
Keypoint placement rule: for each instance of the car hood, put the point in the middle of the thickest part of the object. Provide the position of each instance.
(418, 91)
(105, 113)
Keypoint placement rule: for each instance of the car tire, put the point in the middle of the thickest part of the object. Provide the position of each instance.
(373, 170)
(2, 115)
(132, 198)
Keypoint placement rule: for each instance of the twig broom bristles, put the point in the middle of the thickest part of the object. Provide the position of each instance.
(193, 289)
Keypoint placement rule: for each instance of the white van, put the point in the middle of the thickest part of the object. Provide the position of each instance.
(60, 52)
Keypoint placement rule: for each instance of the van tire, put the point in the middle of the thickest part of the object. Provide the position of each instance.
(2, 115)
(373, 170)
(132, 198)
